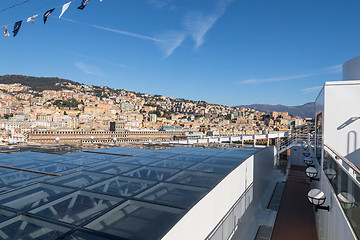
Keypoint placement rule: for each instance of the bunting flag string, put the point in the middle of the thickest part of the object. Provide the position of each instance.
(64, 8)
(17, 25)
(16, 5)
(47, 14)
(32, 19)
(17, 28)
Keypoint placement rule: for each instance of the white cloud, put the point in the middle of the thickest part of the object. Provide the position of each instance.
(162, 4)
(126, 33)
(97, 59)
(275, 79)
(170, 41)
(311, 89)
(332, 69)
(195, 24)
(318, 72)
(88, 69)
(130, 34)
(198, 24)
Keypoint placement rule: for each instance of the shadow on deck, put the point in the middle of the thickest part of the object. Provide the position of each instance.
(295, 219)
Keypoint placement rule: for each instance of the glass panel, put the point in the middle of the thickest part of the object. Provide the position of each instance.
(319, 135)
(79, 235)
(5, 170)
(346, 190)
(29, 164)
(201, 179)
(213, 168)
(76, 207)
(82, 161)
(137, 220)
(4, 188)
(188, 158)
(32, 196)
(79, 179)
(30, 181)
(18, 177)
(113, 168)
(138, 160)
(56, 168)
(178, 150)
(103, 157)
(121, 186)
(172, 164)
(152, 173)
(222, 161)
(174, 194)
(23, 227)
(158, 155)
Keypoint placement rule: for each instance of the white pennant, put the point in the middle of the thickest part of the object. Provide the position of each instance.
(32, 19)
(64, 8)
(6, 33)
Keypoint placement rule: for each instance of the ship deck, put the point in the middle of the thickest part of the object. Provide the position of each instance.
(295, 218)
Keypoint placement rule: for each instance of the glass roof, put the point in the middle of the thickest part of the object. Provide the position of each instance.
(115, 193)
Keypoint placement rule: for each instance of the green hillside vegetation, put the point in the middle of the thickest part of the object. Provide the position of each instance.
(37, 83)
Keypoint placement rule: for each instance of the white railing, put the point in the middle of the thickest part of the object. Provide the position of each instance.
(304, 134)
(227, 139)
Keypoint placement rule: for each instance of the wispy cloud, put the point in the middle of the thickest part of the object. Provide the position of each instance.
(276, 79)
(198, 24)
(89, 69)
(162, 4)
(130, 34)
(171, 41)
(318, 72)
(125, 33)
(195, 24)
(311, 89)
(97, 59)
(333, 69)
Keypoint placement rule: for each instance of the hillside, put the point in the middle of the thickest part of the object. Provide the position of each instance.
(36, 83)
(306, 110)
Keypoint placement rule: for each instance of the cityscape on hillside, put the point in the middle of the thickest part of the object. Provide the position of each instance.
(179, 120)
(29, 113)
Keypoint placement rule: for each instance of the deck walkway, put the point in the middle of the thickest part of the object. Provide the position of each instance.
(295, 219)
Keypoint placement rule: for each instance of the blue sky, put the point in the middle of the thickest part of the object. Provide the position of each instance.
(228, 52)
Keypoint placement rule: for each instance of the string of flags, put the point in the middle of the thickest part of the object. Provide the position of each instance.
(15, 5)
(46, 15)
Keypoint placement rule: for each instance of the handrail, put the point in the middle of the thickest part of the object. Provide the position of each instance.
(350, 164)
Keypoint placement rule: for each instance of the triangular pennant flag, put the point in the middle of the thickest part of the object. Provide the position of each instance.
(47, 14)
(32, 19)
(64, 8)
(17, 26)
(83, 4)
(6, 33)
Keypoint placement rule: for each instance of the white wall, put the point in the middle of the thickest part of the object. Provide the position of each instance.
(341, 130)
(208, 212)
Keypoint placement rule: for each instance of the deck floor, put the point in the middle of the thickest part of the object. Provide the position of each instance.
(295, 219)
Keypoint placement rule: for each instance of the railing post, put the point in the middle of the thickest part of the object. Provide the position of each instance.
(278, 150)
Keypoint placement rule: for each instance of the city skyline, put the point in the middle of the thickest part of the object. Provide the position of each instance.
(224, 52)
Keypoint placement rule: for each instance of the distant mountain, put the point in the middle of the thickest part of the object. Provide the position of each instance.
(306, 110)
(37, 83)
